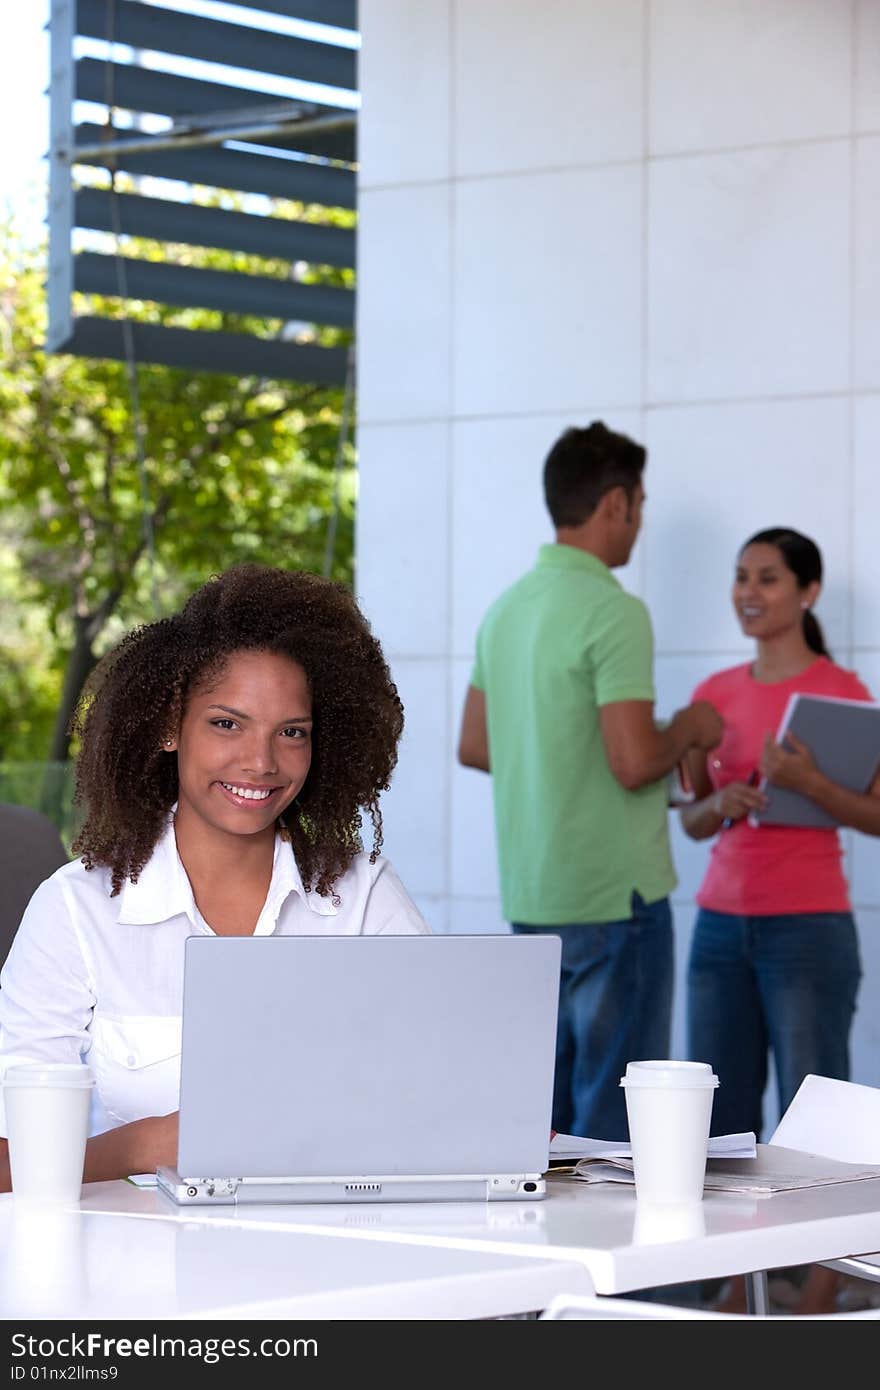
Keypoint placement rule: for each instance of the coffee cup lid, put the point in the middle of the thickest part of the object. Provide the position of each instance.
(667, 1073)
(68, 1074)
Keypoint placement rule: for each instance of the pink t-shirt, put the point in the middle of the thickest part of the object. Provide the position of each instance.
(770, 869)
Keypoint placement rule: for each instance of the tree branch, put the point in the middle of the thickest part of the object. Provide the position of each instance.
(85, 520)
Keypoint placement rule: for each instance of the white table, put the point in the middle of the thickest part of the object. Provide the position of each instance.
(595, 1228)
(77, 1263)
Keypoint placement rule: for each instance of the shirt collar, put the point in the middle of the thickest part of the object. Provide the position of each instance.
(163, 889)
(555, 555)
(287, 879)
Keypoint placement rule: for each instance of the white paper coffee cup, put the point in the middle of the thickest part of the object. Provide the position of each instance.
(669, 1109)
(47, 1124)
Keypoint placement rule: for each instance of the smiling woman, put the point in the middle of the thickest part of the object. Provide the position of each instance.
(774, 963)
(227, 756)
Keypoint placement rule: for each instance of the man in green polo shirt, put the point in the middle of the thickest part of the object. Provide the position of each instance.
(560, 709)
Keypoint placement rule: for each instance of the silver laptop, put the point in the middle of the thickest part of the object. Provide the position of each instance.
(366, 1068)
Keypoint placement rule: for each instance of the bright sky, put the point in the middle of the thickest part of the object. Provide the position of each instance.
(24, 111)
(24, 77)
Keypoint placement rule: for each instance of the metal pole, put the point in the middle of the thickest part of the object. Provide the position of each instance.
(107, 151)
(757, 1297)
(60, 279)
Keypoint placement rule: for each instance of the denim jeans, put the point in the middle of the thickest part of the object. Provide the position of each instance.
(615, 1006)
(787, 984)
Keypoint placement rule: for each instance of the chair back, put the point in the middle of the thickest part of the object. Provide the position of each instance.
(835, 1119)
(30, 850)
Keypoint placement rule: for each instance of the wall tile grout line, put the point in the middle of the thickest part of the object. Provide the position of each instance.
(648, 407)
(652, 157)
(641, 576)
(851, 344)
(452, 213)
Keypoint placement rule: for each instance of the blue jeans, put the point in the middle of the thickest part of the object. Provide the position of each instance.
(786, 983)
(615, 1006)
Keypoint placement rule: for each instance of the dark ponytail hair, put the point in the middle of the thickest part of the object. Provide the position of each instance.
(803, 557)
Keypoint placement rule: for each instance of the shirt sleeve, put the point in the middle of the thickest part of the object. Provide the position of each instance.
(623, 652)
(478, 678)
(390, 911)
(46, 996)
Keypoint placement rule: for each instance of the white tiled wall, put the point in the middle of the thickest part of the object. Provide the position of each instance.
(539, 258)
(748, 254)
(751, 72)
(403, 582)
(718, 473)
(536, 96)
(865, 538)
(866, 271)
(404, 311)
(866, 64)
(661, 213)
(406, 49)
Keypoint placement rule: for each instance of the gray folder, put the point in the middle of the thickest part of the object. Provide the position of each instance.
(844, 738)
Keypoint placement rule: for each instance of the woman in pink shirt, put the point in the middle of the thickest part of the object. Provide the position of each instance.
(774, 963)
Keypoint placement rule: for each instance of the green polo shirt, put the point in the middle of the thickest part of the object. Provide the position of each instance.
(573, 844)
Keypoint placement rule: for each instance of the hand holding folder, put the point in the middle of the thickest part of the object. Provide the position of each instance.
(838, 737)
(788, 764)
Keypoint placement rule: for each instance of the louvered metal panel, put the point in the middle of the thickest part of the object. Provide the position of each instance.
(246, 140)
(340, 14)
(168, 94)
(246, 172)
(233, 293)
(238, 354)
(215, 41)
(192, 225)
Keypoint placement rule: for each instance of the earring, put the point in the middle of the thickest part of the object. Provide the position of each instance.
(168, 742)
(804, 604)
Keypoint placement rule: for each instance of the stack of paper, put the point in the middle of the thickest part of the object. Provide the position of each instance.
(735, 1163)
(775, 1169)
(569, 1148)
(606, 1160)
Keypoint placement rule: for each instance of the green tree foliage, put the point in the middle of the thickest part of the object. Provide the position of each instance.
(235, 469)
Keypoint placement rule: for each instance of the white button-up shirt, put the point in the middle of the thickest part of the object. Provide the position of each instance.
(99, 979)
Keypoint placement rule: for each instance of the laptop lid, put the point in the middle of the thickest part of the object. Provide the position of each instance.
(334, 1057)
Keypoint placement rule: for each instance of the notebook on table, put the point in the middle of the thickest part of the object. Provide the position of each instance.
(366, 1069)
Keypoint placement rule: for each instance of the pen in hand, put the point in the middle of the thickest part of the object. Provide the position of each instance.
(754, 779)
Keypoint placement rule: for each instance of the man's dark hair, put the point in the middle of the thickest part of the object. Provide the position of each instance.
(583, 465)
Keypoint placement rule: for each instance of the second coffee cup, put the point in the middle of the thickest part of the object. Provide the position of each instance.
(669, 1109)
(47, 1123)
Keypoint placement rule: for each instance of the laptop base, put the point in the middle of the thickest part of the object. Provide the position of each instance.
(279, 1191)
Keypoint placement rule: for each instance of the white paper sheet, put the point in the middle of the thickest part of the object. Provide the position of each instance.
(769, 1169)
(569, 1148)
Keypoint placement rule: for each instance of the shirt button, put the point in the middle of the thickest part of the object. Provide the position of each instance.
(131, 1059)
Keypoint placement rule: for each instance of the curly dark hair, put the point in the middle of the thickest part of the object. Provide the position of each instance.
(138, 692)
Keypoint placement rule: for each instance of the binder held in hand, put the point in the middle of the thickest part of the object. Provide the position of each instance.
(844, 739)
